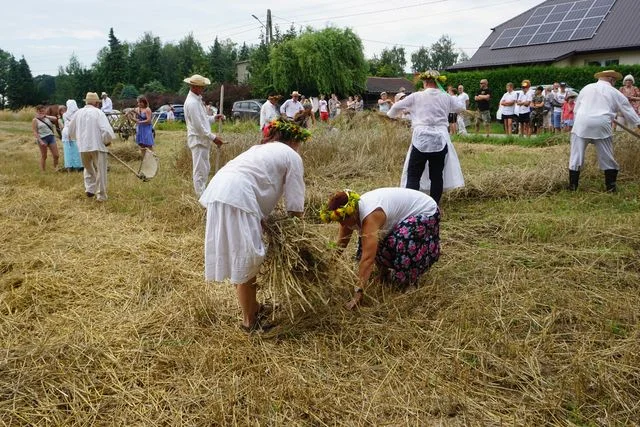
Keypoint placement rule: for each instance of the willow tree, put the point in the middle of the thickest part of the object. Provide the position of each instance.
(326, 61)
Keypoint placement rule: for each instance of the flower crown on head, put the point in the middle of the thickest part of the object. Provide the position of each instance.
(432, 75)
(342, 212)
(290, 131)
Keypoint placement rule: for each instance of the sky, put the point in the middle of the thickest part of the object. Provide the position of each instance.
(48, 33)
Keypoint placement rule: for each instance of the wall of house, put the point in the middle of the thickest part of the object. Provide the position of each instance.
(242, 70)
(626, 57)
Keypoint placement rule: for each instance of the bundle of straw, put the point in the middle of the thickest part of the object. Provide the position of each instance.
(303, 268)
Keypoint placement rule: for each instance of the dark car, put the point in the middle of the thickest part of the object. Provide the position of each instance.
(161, 113)
(247, 109)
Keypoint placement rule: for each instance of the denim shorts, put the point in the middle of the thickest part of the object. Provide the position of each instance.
(557, 119)
(49, 140)
(567, 123)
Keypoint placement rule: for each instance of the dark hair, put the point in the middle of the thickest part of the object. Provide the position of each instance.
(337, 200)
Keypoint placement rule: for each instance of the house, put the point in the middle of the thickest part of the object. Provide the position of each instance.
(564, 33)
(392, 85)
(242, 71)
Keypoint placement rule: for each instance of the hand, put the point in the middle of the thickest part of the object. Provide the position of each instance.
(355, 301)
(41, 142)
(219, 117)
(218, 141)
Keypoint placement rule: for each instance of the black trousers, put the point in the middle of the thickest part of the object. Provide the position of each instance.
(417, 162)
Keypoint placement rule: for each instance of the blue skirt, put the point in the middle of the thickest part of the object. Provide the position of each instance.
(144, 135)
(71, 155)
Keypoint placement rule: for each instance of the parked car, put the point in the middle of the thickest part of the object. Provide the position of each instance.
(247, 109)
(161, 113)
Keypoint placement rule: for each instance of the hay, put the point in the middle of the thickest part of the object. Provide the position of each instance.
(302, 269)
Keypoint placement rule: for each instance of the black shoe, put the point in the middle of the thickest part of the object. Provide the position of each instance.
(574, 178)
(610, 176)
(90, 194)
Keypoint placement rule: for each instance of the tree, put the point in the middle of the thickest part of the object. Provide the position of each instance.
(129, 92)
(191, 57)
(20, 87)
(5, 63)
(222, 61)
(45, 88)
(391, 63)
(114, 65)
(154, 86)
(443, 53)
(244, 53)
(420, 60)
(73, 81)
(326, 61)
(143, 64)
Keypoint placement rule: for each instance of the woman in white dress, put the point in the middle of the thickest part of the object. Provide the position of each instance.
(238, 198)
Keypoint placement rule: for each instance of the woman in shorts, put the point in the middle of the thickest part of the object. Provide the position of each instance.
(42, 126)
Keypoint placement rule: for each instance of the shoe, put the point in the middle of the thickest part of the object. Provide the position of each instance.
(264, 311)
(574, 178)
(610, 177)
(90, 194)
(259, 326)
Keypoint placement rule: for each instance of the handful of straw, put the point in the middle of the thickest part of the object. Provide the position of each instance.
(302, 268)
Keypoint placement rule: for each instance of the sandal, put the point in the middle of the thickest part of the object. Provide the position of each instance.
(258, 327)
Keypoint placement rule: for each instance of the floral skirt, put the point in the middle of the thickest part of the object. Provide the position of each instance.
(410, 249)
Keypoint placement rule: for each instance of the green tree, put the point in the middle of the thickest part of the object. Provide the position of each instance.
(5, 63)
(330, 60)
(112, 69)
(443, 53)
(45, 88)
(260, 78)
(143, 64)
(222, 59)
(73, 81)
(154, 86)
(191, 57)
(420, 60)
(244, 53)
(129, 91)
(171, 76)
(20, 86)
(391, 63)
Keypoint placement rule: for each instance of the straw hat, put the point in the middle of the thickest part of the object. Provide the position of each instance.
(104, 94)
(399, 96)
(197, 80)
(608, 73)
(295, 93)
(91, 97)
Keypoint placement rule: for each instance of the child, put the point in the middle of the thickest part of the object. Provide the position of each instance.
(537, 111)
(567, 111)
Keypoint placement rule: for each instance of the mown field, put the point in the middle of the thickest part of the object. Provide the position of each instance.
(531, 316)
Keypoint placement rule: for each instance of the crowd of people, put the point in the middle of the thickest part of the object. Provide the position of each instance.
(398, 228)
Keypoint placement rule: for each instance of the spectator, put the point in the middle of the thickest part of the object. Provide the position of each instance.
(333, 105)
(537, 111)
(359, 103)
(567, 111)
(453, 116)
(631, 92)
(464, 98)
(291, 106)
(524, 108)
(107, 105)
(351, 104)
(384, 103)
(269, 110)
(508, 102)
(171, 115)
(323, 107)
(557, 101)
(483, 98)
(547, 123)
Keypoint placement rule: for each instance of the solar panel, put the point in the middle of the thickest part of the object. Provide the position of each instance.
(573, 20)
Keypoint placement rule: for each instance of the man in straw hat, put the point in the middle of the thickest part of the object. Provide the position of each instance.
(92, 132)
(292, 105)
(595, 109)
(199, 135)
(269, 110)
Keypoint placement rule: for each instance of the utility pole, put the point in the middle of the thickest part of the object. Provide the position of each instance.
(269, 29)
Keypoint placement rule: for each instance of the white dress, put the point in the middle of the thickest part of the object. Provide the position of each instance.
(239, 196)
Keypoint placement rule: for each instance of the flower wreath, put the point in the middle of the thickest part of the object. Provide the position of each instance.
(433, 75)
(341, 213)
(290, 131)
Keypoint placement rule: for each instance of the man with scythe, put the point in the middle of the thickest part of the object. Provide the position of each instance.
(199, 135)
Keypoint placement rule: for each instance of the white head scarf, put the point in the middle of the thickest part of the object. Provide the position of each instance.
(72, 108)
(629, 77)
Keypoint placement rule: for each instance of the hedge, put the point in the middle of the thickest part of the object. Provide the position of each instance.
(576, 77)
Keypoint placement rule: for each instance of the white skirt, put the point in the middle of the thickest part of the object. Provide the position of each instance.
(233, 247)
(451, 175)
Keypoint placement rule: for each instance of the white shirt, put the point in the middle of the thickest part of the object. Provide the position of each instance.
(596, 107)
(291, 107)
(559, 97)
(463, 97)
(397, 204)
(322, 106)
(90, 129)
(509, 110)
(198, 122)
(256, 179)
(268, 112)
(524, 97)
(107, 105)
(429, 111)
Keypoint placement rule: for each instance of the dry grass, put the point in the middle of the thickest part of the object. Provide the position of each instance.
(23, 115)
(529, 318)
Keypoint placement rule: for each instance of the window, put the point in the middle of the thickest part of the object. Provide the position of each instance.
(602, 62)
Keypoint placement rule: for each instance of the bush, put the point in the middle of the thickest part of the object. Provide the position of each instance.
(576, 77)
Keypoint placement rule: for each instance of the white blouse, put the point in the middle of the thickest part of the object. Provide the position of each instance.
(256, 180)
(397, 204)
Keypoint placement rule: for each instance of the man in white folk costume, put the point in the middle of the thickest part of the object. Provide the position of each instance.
(431, 164)
(269, 110)
(199, 135)
(595, 109)
(291, 106)
(92, 132)
(239, 197)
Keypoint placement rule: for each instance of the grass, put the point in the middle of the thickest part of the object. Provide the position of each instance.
(529, 318)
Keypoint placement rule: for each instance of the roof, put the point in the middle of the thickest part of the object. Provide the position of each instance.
(388, 84)
(619, 31)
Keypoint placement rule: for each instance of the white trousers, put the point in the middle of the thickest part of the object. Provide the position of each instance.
(201, 168)
(95, 173)
(604, 150)
(462, 129)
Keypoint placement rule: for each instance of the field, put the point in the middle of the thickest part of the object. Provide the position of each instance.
(531, 316)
